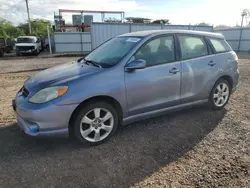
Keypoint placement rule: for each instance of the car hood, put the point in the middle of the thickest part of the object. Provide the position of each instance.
(25, 44)
(59, 73)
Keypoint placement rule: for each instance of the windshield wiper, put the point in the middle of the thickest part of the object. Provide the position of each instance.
(92, 62)
(80, 60)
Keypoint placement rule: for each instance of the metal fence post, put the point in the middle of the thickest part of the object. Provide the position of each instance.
(240, 39)
(50, 51)
(241, 28)
(91, 36)
(81, 41)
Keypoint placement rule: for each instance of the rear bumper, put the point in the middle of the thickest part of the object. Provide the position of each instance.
(235, 80)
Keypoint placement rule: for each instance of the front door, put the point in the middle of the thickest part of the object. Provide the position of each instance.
(158, 85)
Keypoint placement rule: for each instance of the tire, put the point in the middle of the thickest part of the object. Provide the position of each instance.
(36, 52)
(219, 98)
(17, 53)
(87, 126)
(1, 52)
(8, 50)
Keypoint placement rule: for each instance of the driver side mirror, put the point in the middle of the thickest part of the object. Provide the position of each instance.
(135, 64)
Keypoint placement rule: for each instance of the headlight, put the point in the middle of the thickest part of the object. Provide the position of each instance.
(48, 94)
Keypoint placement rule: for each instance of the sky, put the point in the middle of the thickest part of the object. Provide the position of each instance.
(214, 12)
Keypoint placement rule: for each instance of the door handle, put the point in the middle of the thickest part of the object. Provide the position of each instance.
(211, 63)
(174, 70)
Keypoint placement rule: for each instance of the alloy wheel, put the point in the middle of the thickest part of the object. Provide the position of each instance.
(221, 94)
(96, 124)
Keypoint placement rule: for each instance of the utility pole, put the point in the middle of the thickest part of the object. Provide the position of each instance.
(28, 13)
(243, 14)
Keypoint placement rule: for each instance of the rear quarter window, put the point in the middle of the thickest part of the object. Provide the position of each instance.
(220, 45)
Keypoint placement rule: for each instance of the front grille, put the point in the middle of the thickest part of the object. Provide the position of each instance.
(25, 48)
(24, 92)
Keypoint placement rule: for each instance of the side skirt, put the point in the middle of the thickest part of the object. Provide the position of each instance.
(154, 113)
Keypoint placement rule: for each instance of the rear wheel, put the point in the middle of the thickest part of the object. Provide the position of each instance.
(95, 123)
(220, 94)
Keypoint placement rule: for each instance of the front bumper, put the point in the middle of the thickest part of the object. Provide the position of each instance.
(51, 120)
(27, 51)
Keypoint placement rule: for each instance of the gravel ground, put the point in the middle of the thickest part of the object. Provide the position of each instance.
(192, 148)
(28, 63)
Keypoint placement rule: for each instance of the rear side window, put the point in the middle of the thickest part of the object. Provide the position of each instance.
(220, 45)
(192, 47)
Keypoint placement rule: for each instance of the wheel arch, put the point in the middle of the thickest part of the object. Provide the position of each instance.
(227, 78)
(105, 98)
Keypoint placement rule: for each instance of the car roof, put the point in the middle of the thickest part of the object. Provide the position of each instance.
(159, 32)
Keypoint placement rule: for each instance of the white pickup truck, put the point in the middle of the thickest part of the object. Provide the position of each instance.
(28, 44)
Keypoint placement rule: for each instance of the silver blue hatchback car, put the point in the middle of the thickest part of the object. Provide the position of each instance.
(130, 77)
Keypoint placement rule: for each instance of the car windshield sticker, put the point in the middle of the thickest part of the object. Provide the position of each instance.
(133, 39)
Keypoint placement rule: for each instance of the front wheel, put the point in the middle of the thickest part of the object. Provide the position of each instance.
(37, 51)
(17, 53)
(220, 94)
(95, 123)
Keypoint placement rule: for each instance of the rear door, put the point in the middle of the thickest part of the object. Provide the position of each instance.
(199, 67)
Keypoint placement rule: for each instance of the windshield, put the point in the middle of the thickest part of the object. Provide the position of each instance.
(112, 51)
(25, 40)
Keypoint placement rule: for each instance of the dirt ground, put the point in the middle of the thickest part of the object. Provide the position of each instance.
(193, 148)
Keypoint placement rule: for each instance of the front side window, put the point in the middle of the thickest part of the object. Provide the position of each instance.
(157, 51)
(220, 45)
(112, 51)
(192, 47)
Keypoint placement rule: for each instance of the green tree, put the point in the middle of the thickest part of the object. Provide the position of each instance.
(222, 26)
(137, 20)
(7, 29)
(162, 21)
(112, 20)
(203, 24)
(39, 27)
